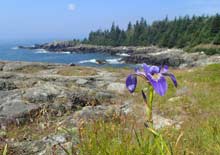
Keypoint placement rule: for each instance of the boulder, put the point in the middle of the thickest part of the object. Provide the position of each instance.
(1, 65)
(101, 62)
(116, 87)
(72, 64)
(129, 108)
(45, 146)
(41, 94)
(82, 98)
(81, 81)
(99, 112)
(14, 110)
(7, 85)
(13, 66)
(104, 96)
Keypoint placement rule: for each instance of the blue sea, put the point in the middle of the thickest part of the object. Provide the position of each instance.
(10, 52)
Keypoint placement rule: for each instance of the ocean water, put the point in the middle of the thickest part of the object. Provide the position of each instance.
(10, 52)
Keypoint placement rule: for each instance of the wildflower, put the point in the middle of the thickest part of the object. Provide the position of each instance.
(154, 75)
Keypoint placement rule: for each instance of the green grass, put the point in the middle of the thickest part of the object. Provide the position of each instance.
(111, 138)
(198, 108)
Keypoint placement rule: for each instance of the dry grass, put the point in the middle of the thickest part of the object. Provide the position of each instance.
(198, 108)
(76, 71)
(31, 69)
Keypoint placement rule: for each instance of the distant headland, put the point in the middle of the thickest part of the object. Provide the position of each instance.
(135, 54)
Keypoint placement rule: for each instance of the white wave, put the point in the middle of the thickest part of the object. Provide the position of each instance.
(32, 46)
(62, 52)
(41, 51)
(15, 48)
(88, 61)
(110, 61)
(115, 61)
(123, 54)
(65, 52)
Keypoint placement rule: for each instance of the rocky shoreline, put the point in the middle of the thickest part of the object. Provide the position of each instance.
(134, 55)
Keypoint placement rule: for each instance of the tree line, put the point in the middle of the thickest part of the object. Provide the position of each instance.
(180, 33)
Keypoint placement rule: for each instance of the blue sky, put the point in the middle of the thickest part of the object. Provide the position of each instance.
(65, 19)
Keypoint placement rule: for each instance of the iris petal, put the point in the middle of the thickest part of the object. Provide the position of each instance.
(131, 83)
(136, 69)
(160, 85)
(172, 77)
(139, 73)
(154, 75)
(146, 68)
(154, 69)
(165, 69)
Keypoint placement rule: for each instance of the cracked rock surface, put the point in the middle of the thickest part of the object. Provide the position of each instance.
(42, 98)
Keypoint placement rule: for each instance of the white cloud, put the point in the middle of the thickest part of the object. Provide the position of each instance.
(71, 7)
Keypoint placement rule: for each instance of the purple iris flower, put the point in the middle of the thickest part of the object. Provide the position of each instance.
(154, 75)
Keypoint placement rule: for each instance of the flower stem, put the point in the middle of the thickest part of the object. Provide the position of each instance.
(151, 94)
(149, 105)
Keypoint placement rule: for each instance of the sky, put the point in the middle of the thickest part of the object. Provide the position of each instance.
(67, 19)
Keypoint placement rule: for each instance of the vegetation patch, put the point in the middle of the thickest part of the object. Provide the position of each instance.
(31, 69)
(209, 49)
(198, 106)
(115, 138)
(77, 71)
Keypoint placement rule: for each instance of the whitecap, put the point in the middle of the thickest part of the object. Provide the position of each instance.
(62, 52)
(123, 54)
(41, 51)
(66, 52)
(88, 61)
(15, 48)
(115, 61)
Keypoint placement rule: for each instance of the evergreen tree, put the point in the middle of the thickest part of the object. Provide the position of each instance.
(181, 32)
(215, 27)
(217, 39)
